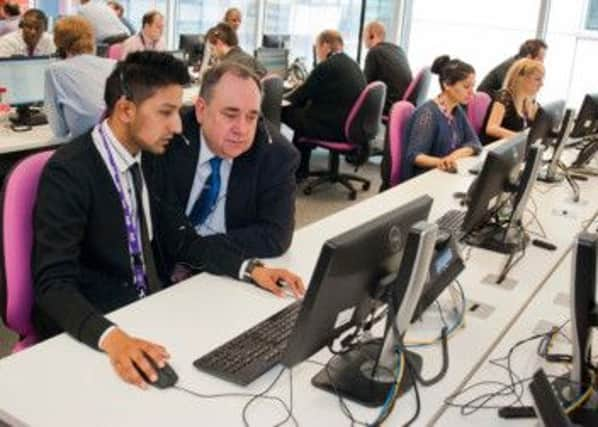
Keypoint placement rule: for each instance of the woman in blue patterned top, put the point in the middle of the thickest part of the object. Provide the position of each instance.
(439, 133)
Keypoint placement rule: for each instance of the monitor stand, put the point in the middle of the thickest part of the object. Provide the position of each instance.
(368, 372)
(27, 117)
(505, 240)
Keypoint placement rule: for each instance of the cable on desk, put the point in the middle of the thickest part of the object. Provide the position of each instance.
(513, 388)
(261, 395)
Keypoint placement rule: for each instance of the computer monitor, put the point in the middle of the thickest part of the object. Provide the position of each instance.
(586, 123)
(193, 45)
(347, 275)
(546, 122)
(275, 60)
(550, 172)
(178, 54)
(499, 171)
(276, 40)
(24, 79)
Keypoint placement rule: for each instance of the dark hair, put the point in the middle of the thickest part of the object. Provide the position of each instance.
(141, 74)
(149, 17)
(12, 9)
(531, 48)
(224, 33)
(214, 74)
(38, 15)
(450, 71)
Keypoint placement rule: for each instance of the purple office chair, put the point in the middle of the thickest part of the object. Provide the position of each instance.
(115, 51)
(417, 91)
(477, 110)
(272, 88)
(361, 127)
(399, 116)
(20, 191)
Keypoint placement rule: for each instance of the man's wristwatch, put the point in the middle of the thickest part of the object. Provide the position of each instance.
(251, 265)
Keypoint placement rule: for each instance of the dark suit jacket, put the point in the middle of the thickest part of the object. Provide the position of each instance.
(260, 199)
(328, 95)
(81, 264)
(387, 62)
(495, 78)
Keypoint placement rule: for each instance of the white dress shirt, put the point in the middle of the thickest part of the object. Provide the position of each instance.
(13, 44)
(215, 223)
(138, 42)
(103, 19)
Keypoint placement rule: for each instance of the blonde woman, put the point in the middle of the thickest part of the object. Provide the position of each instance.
(514, 106)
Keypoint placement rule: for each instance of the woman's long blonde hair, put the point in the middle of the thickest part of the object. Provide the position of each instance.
(519, 70)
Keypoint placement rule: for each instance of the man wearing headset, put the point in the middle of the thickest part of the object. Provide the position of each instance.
(31, 39)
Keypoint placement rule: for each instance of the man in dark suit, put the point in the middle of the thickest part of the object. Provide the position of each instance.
(104, 227)
(385, 62)
(320, 106)
(533, 49)
(255, 204)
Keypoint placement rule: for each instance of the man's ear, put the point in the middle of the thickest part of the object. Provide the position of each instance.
(200, 109)
(125, 110)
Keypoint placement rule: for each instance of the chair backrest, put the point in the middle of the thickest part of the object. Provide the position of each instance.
(272, 91)
(115, 51)
(399, 116)
(417, 91)
(477, 110)
(17, 241)
(363, 121)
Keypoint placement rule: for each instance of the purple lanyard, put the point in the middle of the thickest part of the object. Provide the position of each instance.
(132, 230)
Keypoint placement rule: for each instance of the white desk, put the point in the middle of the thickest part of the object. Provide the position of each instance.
(62, 382)
(41, 137)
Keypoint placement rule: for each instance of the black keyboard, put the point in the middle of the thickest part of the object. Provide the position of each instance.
(452, 221)
(254, 352)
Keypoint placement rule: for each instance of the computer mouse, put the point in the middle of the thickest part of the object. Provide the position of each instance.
(167, 377)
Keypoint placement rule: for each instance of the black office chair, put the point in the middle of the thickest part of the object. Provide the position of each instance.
(272, 91)
(193, 45)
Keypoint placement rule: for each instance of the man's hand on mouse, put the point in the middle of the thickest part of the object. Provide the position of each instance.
(267, 278)
(124, 350)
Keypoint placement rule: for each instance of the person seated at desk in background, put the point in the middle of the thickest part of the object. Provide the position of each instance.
(514, 107)
(385, 62)
(150, 36)
(233, 17)
(319, 107)
(225, 47)
(438, 133)
(225, 142)
(31, 39)
(74, 88)
(12, 17)
(493, 82)
(102, 227)
(120, 12)
(107, 27)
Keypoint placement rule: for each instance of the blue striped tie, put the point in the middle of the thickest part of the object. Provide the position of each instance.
(208, 198)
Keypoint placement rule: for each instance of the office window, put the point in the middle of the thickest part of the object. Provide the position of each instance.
(481, 33)
(592, 15)
(304, 19)
(198, 16)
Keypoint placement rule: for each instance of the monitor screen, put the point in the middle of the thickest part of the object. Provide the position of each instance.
(547, 120)
(586, 123)
(24, 79)
(500, 169)
(276, 40)
(276, 60)
(349, 270)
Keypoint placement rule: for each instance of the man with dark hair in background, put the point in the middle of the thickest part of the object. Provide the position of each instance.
(493, 82)
(385, 62)
(104, 227)
(31, 39)
(12, 17)
(225, 47)
(319, 107)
